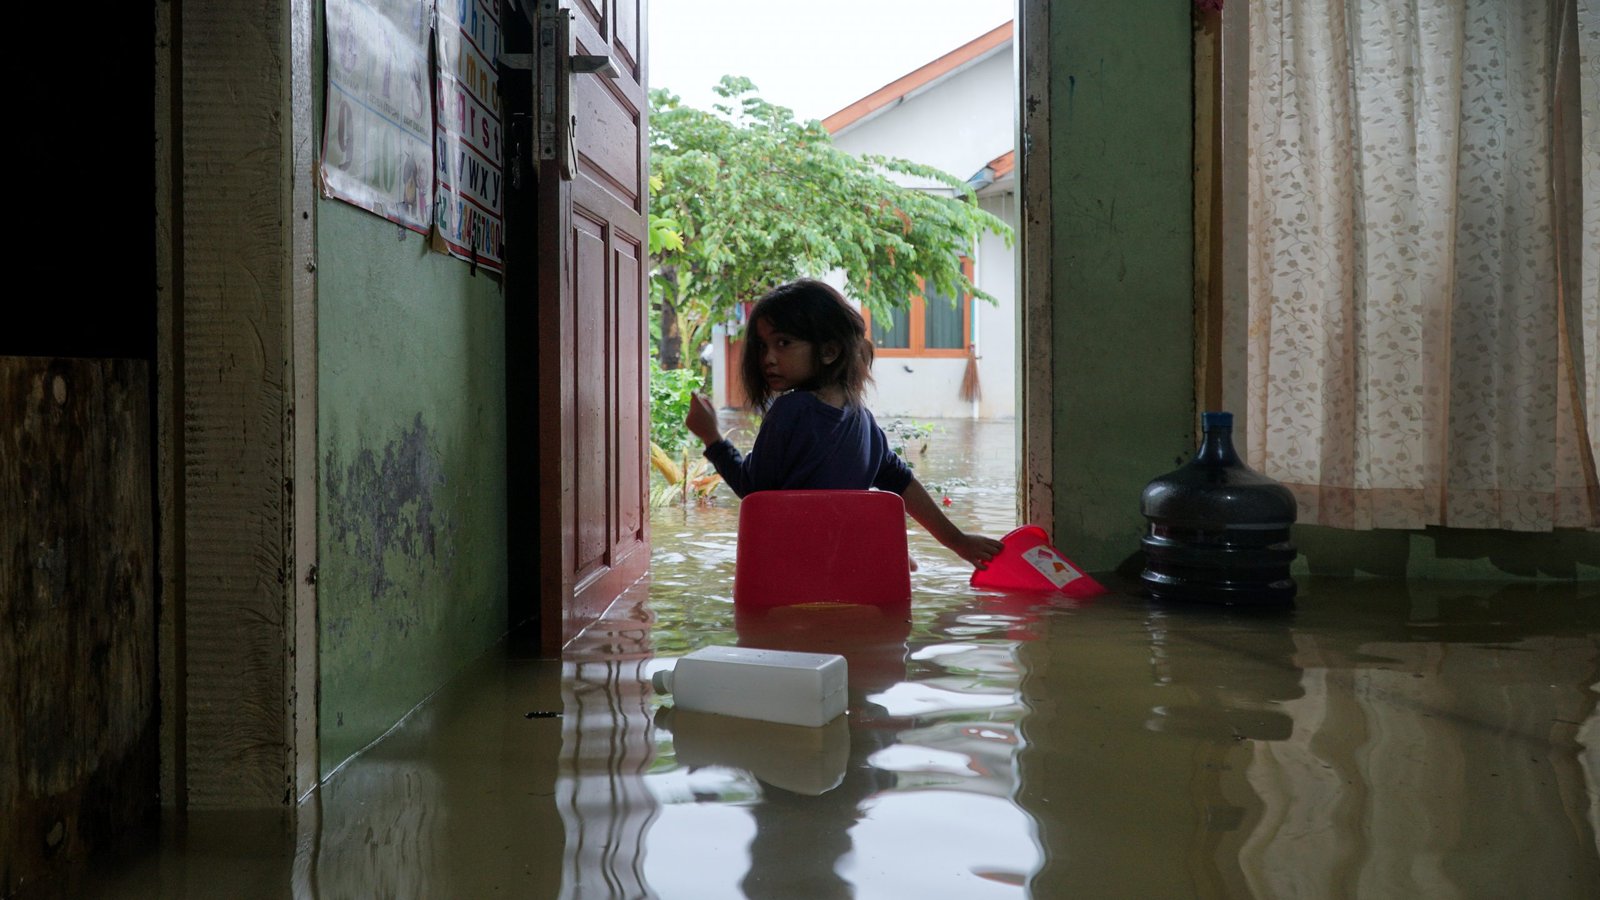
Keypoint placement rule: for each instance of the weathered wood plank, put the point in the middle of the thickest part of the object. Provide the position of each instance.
(78, 742)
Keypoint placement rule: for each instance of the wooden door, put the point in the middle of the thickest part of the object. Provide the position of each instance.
(594, 531)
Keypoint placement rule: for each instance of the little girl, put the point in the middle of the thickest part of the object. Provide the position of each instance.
(807, 361)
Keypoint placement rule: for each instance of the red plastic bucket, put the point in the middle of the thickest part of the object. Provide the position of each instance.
(1029, 563)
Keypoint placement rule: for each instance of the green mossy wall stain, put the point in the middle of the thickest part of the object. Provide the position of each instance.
(383, 515)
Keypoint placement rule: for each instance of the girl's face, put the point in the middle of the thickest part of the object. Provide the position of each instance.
(787, 361)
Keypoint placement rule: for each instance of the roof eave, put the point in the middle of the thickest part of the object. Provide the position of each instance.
(919, 80)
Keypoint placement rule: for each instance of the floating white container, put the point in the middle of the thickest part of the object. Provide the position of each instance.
(771, 685)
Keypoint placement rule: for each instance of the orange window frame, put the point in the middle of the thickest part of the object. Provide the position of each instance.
(919, 325)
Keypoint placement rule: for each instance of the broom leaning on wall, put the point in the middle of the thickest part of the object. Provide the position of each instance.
(971, 388)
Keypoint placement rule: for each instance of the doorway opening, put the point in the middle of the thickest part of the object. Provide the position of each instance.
(937, 88)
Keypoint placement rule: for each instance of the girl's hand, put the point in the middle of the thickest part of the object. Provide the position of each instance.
(976, 549)
(702, 420)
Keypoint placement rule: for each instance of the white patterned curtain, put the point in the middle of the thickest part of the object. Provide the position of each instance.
(1424, 260)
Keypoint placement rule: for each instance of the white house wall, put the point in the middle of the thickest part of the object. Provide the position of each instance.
(994, 270)
(959, 125)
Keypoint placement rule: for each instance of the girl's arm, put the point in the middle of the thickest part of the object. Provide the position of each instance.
(763, 468)
(702, 423)
(973, 548)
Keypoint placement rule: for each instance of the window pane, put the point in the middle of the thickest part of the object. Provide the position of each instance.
(893, 332)
(942, 323)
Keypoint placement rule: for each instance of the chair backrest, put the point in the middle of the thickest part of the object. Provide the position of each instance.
(821, 547)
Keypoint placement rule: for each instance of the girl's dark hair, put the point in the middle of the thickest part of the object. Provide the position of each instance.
(815, 312)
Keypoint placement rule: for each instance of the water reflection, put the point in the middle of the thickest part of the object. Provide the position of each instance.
(1382, 739)
(607, 749)
(1236, 670)
(1467, 714)
(855, 846)
(800, 760)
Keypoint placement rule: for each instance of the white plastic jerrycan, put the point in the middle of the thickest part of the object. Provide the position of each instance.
(770, 685)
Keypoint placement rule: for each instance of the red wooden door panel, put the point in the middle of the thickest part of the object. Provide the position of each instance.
(595, 540)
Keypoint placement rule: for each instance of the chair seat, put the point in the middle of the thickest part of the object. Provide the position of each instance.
(821, 547)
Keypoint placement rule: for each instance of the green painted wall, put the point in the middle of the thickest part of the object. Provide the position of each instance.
(1121, 106)
(1121, 97)
(412, 428)
(1449, 553)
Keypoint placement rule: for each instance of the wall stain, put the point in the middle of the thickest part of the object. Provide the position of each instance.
(383, 511)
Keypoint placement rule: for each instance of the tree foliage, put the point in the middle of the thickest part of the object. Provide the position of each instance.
(759, 198)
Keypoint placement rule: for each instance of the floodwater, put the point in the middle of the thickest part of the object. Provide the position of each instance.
(1382, 739)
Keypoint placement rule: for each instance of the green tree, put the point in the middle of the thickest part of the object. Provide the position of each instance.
(759, 198)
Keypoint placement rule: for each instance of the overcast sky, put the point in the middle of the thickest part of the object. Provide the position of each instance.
(813, 56)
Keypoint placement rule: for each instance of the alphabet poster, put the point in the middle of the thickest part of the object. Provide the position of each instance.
(377, 141)
(468, 175)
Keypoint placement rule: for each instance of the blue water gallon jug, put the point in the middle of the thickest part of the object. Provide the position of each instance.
(1218, 531)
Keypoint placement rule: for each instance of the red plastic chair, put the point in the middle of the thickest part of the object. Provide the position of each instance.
(821, 547)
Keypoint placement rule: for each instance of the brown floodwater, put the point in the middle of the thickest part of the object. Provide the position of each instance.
(1381, 739)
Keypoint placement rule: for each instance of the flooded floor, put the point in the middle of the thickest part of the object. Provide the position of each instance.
(1380, 740)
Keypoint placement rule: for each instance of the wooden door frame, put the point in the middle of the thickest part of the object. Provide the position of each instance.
(236, 403)
(1035, 250)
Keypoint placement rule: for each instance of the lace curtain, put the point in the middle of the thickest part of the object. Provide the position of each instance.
(1424, 260)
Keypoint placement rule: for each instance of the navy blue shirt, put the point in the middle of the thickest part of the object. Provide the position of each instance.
(806, 444)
